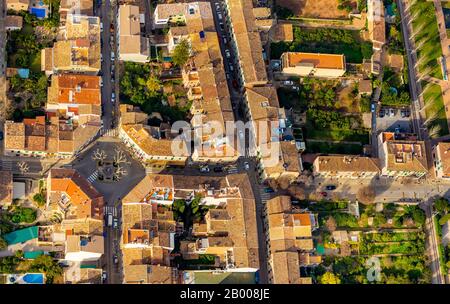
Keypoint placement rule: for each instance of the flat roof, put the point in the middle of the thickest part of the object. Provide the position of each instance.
(321, 61)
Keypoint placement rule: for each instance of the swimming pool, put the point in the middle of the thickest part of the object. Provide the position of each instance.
(33, 278)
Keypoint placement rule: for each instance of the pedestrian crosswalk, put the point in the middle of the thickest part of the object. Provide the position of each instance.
(109, 132)
(93, 177)
(6, 165)
(110, 210)
(233, 170)
(264, 196)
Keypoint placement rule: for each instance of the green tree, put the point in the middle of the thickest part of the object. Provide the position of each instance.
(329, 278)
(46, 264)
(3, 243)
(153, 85)
(181, 53)
(441, 205)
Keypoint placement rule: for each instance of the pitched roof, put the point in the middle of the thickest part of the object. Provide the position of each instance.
(141, 136)
(248, 41)
(87, 202)
(75, 89)
(346, 163)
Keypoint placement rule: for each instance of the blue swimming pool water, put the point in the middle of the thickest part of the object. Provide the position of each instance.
(34, 278)
(38, 12)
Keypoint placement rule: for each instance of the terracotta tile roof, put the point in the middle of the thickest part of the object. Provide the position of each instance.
(14, 135)
(404, 155)
(87, 202)
(237, 219)
(248, 41)
(6, 187)
(282, 32)
(289, 234)
(141, 136)
(76, 89)
(321, 61)
(346, 163)
(286, 268)
(289, 158)
(149, 274)
(376, 21)
(13, 21)
(365, 86)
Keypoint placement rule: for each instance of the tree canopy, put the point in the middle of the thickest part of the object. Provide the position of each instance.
(181, 53)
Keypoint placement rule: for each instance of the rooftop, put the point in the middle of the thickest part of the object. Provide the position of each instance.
(346, 163)
(67, 185)
(320, 61)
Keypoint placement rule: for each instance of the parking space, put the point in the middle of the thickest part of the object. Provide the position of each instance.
(394, 119)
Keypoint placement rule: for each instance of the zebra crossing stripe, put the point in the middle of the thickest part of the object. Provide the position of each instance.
(93, 177)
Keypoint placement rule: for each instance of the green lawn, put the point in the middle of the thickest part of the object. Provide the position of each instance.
(333, 148)
(338, 135)
(436, 110)
(425, 23)
(36, 63)
(325, 40)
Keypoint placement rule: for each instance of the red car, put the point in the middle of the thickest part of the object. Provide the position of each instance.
(324, 194)
(235, 84)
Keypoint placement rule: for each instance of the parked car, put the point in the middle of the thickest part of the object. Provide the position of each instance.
(231, 67)
(324, 194)
(391, 112)
(1, 135)
(372, 107)
(113, 96)
(246, 166)
(222, 27)
(104, 276)
(116, 223)
(101, 26)
(112, 56)
(227, 53)
(218, 169)
(204, 169)
(381, 113)
(235, 84)
(227, 75)
(225, 40)
(268, 190)
(219, 15)
(288, 82)
(330, 187)
(115, 259)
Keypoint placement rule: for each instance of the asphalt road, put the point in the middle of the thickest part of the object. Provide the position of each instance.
(113, 274)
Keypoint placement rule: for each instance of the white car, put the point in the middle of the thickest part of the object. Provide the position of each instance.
(228, 76)
(246, 166)
(225, 40)
(231, 68)
(204, 169)
(227, 53)
(113, 97)
(101, 82)
(288, 82)
(219, 15)
(101, 26)
(112, 56)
